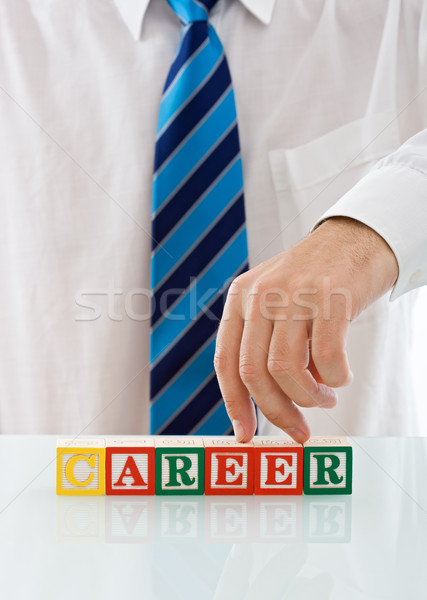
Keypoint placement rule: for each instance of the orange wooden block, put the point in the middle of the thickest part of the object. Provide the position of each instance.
(228, 466)
(278, 466)
(129, 467)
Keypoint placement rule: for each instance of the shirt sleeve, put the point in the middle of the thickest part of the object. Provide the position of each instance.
(392, 200)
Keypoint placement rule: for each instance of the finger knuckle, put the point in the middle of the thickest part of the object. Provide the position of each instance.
(259, 286)
(266, 283)
(324, 353)
(250, 372)
(273, 415)
(231, 407)
(280, 367)
(220, 361)
(337, 379)
(238, 284)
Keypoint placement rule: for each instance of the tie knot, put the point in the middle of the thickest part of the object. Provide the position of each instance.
(190, 11)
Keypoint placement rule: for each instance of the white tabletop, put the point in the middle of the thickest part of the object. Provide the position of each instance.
(372, 544)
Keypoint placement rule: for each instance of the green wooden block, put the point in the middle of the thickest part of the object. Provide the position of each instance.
(180, 466)
(328, 466)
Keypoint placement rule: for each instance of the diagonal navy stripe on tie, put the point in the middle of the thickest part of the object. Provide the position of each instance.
(192, 41)
(191, 152)
(198, 208)
(167, 263)
(188, 193)
(183, 149)
(192, 114)
(193, 412)
(206, 166)
(198, 296)
(185, 347)
(203, 215)
(207, 248)
(190, 301)
(221, 182)
(215, 420)
(182, 98)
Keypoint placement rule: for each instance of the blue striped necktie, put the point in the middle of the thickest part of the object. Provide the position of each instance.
(199, 232)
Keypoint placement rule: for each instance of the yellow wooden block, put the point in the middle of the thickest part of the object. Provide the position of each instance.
(80, 470)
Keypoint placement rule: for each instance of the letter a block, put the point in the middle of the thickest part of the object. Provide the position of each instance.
(180, 466)
(129, 466)
(278, 466)
(80, 470)
(229, 466)
(328, 466)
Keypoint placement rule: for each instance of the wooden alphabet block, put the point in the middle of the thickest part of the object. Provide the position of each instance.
(180, 465)
(328, 466)
(80, 467)
(229, 466)
(278, 466)
(129, 466)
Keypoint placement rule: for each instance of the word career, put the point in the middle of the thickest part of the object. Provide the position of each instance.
(203, 465)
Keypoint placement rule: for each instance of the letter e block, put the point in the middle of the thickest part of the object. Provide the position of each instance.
(229, 466)
(129, 466)
(278, 466)
(80, 467)
(180, 465)
(328, 466)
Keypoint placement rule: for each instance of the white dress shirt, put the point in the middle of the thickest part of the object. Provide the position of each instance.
(323, 90)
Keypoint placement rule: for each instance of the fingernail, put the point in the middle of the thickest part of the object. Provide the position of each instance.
(239, 432)
(298, 435)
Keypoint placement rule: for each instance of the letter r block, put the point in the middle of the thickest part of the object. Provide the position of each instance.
(129, 466)
(80, 467)
(328, 466)
(229, 466)
(180, 465)
(278, 466)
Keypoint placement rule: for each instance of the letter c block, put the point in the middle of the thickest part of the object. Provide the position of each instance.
(80, 470)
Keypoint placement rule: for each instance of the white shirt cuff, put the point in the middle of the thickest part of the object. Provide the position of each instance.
(392, 201)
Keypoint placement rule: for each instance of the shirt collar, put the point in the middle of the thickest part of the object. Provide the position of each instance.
(133, 12)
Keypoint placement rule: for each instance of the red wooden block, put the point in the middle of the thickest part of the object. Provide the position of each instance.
(229, 467)
(278, 466)
(130, 466)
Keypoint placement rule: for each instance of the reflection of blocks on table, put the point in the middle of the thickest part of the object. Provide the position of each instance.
(80, 520)
(179, 465)
(278, 466)
(279, 519)
(129, 467)
(229, 466)
(129, 520)
(179, 518)
(227, 520)
(327, 520)
(80, 470)
(328, 466)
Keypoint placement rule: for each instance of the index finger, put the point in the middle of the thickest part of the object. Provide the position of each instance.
(237, 400)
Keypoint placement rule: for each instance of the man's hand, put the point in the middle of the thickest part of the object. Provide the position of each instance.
(283, 333)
